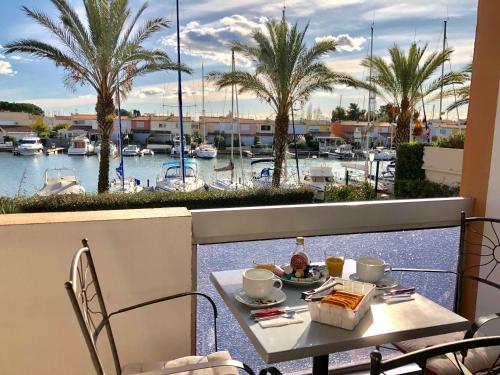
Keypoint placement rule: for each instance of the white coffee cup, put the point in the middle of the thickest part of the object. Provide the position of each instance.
(259, 283)
(371, 269)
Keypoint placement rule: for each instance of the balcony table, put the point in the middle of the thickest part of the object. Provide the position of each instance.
(382, 324)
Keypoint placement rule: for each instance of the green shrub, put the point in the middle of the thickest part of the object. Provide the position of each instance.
(453, 141)
(405, 189)
(409, 162)
(349, 193)
(157, 199)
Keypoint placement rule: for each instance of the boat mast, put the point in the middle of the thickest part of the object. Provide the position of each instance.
(203, 103)
(442, 74)
(232, 117)
(120, 169)
(239, 137)
(369, 102)
(179, 93)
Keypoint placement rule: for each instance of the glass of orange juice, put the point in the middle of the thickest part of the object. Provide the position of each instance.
(334, 263)
(264, 263)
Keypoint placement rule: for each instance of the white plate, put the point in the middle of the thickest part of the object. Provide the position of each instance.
(385, 282)
(277, 297)
(305, 283)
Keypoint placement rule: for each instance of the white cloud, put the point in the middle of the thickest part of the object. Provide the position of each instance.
(213, 40)
(149, 91)
(15, 57)
(345, 42)
(6, 69)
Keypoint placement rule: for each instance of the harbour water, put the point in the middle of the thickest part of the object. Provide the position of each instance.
(23, 175)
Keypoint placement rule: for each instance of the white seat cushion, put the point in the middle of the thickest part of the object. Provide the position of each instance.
(137, 368)
(477, 360)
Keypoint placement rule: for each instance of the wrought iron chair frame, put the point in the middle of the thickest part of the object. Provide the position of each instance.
(81, 301)
(378, 366)
(468, 341)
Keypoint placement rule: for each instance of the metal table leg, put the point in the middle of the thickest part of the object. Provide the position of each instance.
(320, 365)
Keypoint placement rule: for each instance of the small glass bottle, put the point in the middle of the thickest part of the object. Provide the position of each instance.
(299, 260)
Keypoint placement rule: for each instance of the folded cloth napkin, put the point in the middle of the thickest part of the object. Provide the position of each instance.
(280, 321)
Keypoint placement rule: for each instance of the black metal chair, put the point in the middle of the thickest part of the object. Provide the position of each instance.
(475, 243)
(86, 298)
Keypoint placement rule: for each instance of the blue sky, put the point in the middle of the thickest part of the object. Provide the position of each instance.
(208, 27)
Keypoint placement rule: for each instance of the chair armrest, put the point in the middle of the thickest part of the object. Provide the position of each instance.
(163, 299)
(478, 323)
(430, 270)
(201, 366)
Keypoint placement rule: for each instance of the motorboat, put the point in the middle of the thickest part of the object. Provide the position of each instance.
(171, 177)
(113, 150)
(81, 146)
(319, 178)
(342, 152)
(130, 185)
(131, 150)
(262, 174)
(384, 154)
(29, 146)
(60, 181)
(176, 149)
(206, 151)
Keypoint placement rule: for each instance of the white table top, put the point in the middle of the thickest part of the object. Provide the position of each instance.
(382, 324)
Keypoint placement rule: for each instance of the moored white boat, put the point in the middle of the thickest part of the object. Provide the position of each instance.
(171, 177)
(29, 146)
(206, 151)
(131, 150)
(81, 146)
(57, 181)
(176, 149)
(113, 150)
(130, 185)
(319, 178)
(262, 174)
(342, 152)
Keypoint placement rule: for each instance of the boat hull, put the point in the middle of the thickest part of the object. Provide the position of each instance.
(29, 151)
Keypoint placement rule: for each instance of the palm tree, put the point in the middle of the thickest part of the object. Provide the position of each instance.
(104, 51)
(461, 94)
(286, 71)
(407, 78)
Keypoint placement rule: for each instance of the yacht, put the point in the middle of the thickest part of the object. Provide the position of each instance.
(342, 152)
(130, 185)
(206, 151)
(113, 150)
(319, 178)
(131, 150)
(171, 177)
(30, 146)
(262, 174)
(81, 146)
(60, 181)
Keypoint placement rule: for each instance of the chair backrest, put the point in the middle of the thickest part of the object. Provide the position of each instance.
(479, 242)
(88, 304)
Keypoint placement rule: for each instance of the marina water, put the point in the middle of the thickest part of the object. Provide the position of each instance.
(23, 175)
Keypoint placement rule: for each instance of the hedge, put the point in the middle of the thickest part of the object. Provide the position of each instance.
(349, 193)
(409, 162)
(423, 189)
(157, 199)
(452, 141)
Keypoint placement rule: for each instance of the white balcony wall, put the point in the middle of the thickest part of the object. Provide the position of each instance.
(139, 255)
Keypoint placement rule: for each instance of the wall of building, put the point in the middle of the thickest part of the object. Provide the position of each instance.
(139, 255)
(480, 173)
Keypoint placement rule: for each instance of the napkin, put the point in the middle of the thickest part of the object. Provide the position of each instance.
(280, 321)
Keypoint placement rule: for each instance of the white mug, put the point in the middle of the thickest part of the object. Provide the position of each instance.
(259, 283)
(371, 269)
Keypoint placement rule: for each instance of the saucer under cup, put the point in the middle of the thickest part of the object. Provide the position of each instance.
(371, 270)
(260, 283)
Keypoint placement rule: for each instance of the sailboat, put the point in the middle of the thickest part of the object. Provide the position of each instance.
(204, 150)
(230, 184)
(57, 181)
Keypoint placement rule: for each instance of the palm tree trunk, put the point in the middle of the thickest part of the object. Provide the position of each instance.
(403, 123)
(105, 109)
(280, 140)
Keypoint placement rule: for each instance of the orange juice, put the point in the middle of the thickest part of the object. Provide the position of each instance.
(335, 264)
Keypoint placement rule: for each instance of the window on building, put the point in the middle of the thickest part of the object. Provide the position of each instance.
(139, 124)
(265, 127)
